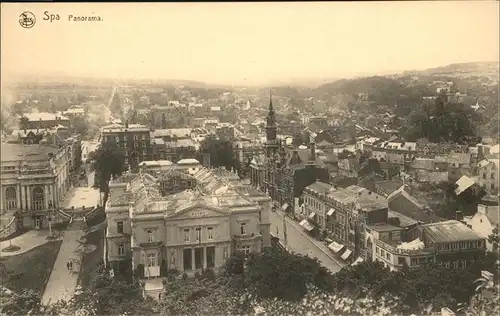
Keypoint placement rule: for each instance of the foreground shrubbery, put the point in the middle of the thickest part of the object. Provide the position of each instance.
(275, 283)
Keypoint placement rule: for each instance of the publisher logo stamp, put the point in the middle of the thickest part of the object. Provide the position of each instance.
(27, 20)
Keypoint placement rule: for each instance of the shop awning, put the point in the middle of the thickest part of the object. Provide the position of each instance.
(306, 225)
(335, 247)
(346, 254)
(357, 261)
(311, 216)
(284, 207)
(330, 212)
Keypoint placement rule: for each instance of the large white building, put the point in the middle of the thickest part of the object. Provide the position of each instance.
(188, 230)
(34, 180)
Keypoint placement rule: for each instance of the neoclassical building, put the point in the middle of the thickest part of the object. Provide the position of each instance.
(188, 229)
(34, 179)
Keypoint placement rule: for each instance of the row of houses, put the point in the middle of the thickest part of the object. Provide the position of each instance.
(396, 230)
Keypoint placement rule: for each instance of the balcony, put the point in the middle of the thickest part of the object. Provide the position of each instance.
(246, 236)
(152, 244)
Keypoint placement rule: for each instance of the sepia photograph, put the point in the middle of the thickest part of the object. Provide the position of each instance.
(250, 158)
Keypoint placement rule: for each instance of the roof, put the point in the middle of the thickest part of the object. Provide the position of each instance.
(422, 163)
(463, 184)
(21, 152)
(115, 128)
(25, 132)
(404, 221)
(156, 163)
(188, 161)
(177, 132)
(44, 116)
(448, 231)
(388, 186)
(383, 227)
(320, 187)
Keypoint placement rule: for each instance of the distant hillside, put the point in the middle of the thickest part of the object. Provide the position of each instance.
(462, 69)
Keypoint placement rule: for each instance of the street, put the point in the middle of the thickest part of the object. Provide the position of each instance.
(299, 243)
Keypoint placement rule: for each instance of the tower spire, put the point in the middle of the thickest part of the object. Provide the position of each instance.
(270, 100)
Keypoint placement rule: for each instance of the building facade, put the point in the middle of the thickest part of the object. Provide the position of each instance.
(34, 179)
(134, 140)
(187, 229)
(450, 243)
(488, 175)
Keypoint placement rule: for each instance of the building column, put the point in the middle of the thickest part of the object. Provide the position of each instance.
(193, 262)
(54, 196)
(28, 196)
(204, 257)
(24, 197)
(46, 196)
(19, 200)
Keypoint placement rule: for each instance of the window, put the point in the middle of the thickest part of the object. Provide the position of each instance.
(11, 198)
(117, 139)
(245, 249)
(125, 138)
(414, 261)
(119, 227)
(136, 137)
(151, 236)
(447, 264)
(186, 234)
(493, 175)
(121, 249)
(198, 233)
(492, 185)
(484, 175)
(243, 228)
(210, 233)
(38, 199)
(401, 260)
(388, 256)
(455, 264)
(151, 260)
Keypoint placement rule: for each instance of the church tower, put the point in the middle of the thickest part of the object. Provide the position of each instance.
(271, 145)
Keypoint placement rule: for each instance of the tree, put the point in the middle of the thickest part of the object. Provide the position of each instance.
(443, 122)
(277, 274)
(27, 302)
(494, 239)
(81, 126)
(23, 122)
(108, 162)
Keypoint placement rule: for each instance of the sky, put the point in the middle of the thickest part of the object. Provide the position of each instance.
(246, 42)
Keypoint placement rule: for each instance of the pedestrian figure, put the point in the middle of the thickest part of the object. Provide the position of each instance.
(71, 265)
(67, 264)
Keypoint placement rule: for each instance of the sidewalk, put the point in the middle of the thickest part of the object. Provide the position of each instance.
(26, 242)
(316, 242)
(62, 283)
